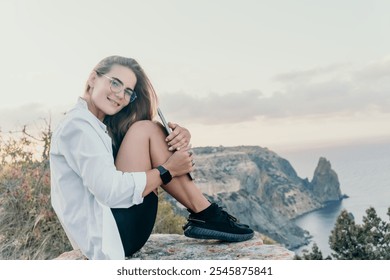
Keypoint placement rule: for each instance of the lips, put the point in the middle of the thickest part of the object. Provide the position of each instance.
(113, 102)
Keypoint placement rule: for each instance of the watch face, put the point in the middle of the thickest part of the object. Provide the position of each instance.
(164, 175)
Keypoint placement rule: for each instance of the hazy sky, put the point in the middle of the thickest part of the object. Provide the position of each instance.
(280, 74)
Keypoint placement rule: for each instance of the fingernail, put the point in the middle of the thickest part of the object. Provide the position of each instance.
(170, 148)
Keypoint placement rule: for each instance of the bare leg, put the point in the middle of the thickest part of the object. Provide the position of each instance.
(144, 148)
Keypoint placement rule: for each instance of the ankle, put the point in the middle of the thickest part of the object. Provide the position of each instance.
(197, 208)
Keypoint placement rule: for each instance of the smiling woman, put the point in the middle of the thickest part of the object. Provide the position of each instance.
(104, 188)
(119, 95)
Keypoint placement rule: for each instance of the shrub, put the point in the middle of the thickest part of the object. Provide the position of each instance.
(351, 241)
(315, 254)
(29, 228)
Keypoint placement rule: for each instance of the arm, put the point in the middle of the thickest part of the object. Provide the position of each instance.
(87, 155)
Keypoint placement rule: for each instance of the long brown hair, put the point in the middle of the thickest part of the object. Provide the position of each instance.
(142, 108)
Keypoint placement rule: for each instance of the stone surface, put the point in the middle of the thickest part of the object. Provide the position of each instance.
(71, 255)
(179, 247)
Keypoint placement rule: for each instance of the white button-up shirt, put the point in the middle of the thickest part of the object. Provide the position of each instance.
(85, 184)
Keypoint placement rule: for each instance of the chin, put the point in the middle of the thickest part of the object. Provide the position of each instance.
(112, 112)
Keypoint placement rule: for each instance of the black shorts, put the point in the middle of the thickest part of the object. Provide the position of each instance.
(135, 224)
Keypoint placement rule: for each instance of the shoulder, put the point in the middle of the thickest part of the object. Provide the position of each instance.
(78, 120)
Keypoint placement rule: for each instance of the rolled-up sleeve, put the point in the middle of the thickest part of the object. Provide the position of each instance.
(87, 155)
(139, 179)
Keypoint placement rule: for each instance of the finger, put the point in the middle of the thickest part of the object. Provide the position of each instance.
(173, 125)
(172, 135)
(180, 139)
(182, 150)
(192, 167)
(186, 149)
(182, 144)
(191, 157)
(177, 144)
(176, 140)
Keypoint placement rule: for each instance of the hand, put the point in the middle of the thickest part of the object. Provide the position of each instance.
(179, 138)
(180, 162)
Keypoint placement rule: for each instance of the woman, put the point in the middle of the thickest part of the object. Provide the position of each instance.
(108, 208)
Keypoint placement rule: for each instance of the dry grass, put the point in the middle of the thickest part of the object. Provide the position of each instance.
(29, 227)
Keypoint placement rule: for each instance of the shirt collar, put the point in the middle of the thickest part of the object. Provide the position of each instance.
(82, 104)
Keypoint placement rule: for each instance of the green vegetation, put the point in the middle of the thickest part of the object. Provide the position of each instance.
(351, 241)
(29, 228)
(167, 221)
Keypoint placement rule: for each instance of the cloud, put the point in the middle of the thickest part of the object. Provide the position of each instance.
(215, 108)
(294, 76)
(31, 115)
(375, 71)
(326, 91)
(335, 90)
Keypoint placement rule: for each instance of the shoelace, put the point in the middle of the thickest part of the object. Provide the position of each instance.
(230, 217)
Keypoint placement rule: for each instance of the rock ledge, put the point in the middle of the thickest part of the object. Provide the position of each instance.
(179, 247)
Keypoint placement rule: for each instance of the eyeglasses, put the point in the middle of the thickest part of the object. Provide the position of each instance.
(116, 86)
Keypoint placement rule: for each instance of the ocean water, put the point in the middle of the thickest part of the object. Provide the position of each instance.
(363, 170)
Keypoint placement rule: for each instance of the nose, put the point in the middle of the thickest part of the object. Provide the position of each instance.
(120, 94)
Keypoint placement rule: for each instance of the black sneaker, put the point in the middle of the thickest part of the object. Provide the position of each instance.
(215, 223)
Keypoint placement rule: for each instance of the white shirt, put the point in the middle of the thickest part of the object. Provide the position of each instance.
(85, 184)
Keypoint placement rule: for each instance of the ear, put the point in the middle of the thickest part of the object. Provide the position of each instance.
(92, 79)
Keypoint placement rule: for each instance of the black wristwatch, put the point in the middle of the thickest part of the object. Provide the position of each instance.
(165, 176)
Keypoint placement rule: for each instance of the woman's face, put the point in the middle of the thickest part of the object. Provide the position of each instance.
(102, 100)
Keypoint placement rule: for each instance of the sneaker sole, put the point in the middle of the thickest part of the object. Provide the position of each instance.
(204, 233)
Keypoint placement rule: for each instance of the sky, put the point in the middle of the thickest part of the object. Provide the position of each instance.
(278, 74)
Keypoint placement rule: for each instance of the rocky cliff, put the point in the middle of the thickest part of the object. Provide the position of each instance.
(262, 189)
(179, 247)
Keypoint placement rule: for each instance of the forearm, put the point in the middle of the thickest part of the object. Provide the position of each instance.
(153, 181)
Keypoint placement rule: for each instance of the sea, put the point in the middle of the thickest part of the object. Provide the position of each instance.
(363, 169)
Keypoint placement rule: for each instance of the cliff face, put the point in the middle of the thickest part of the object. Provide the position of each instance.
(263, 189)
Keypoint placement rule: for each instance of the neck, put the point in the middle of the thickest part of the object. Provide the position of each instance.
(92, 108)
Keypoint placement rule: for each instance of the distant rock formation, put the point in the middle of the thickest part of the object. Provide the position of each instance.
(325, 185)
(179, 247)
(262, 189)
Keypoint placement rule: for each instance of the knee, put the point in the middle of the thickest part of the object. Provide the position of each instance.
(145, 127)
